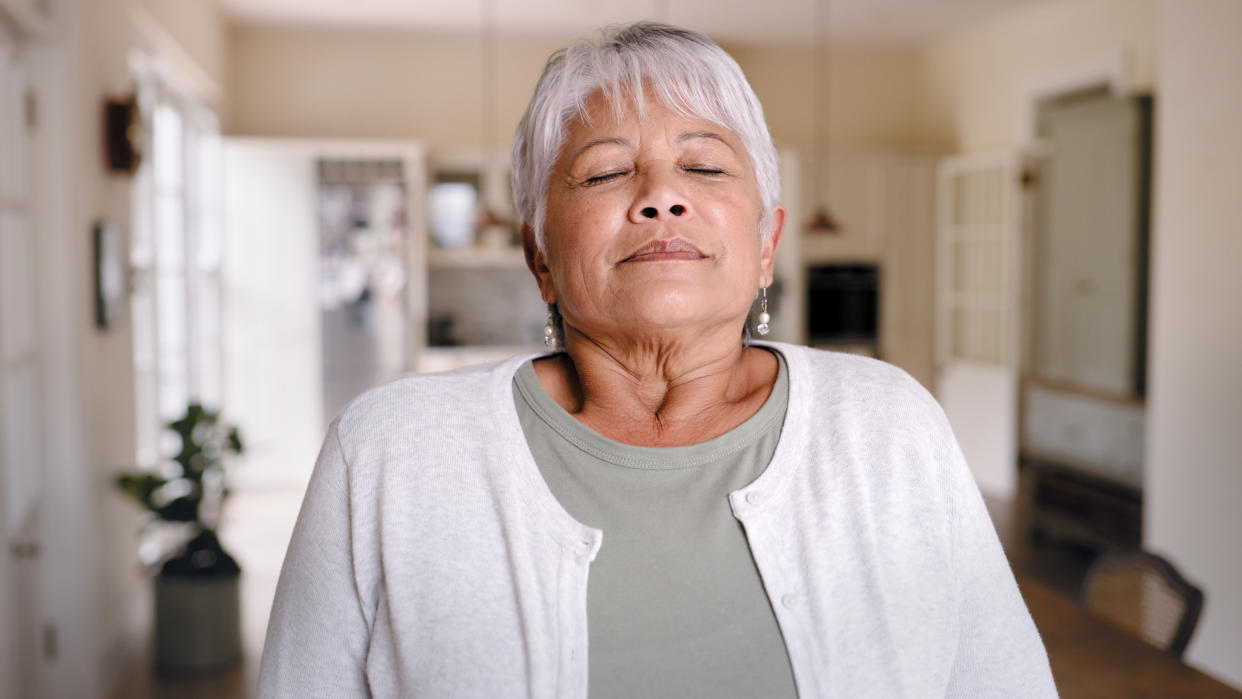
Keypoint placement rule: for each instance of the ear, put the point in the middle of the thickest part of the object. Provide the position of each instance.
(767, 252)
(538, 264)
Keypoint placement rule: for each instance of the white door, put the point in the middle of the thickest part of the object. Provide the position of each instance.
(977, 330)
(20, 432)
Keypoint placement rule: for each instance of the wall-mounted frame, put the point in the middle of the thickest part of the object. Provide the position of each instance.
(109, 274)
(122, 137)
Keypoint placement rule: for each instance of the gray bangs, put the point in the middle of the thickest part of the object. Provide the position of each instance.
(684, 70)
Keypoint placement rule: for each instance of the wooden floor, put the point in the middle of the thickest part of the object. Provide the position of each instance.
(1059, 566)
(260, 522)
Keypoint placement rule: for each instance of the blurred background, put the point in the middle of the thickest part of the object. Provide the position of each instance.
(265, 207)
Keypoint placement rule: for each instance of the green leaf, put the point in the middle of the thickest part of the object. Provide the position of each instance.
(140, 487)
(235, 441)
(204, 442)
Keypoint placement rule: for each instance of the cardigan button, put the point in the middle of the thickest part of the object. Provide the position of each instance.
(753, 497)
(789, 600)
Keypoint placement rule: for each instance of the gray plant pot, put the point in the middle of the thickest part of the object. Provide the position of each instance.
(197, 623)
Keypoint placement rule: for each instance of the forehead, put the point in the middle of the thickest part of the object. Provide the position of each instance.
(604, 113)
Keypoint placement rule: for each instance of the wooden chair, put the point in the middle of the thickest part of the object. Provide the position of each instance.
(1144, 594)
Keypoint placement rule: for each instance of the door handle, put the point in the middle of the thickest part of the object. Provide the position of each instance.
(26, 549)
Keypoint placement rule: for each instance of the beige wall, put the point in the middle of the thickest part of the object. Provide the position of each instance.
(872, 95)
(977, 83)
(305, 82)
(189, 35)
(977, 96)
(191, 32)
(373, 84)
(1194, 473)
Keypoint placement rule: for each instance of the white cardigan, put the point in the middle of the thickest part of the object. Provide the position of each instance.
(430, 559)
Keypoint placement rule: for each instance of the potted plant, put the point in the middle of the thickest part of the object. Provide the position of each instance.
(197, 610)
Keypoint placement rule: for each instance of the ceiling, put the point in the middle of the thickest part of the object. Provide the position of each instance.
(744, 21)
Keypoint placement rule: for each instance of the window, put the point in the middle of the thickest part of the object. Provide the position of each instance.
(175, 254)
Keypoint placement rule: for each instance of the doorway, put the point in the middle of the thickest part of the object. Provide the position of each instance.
(362, 277)
(1083, 409)
(324, 288)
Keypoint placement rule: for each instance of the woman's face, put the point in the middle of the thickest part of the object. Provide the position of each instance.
(652, 226)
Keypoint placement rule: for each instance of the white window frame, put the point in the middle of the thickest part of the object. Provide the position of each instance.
(175, 300)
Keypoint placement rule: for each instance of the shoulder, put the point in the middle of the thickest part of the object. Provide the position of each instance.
(413, 404)
(856, 384)
(870, 408)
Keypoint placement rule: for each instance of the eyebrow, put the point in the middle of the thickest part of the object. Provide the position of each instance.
(625, 143)
(613, 141)
(692, 135)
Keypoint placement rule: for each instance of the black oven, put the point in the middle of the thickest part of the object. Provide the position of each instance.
(843, 306)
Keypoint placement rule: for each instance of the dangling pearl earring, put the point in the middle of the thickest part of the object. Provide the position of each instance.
(762, 328)
(549, 331)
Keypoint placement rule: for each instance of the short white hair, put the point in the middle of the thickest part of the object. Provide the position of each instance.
(686, 71)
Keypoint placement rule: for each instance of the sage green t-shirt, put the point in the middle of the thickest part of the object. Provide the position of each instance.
(675, 605)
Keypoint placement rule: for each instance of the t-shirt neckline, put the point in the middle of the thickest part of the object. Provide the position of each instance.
(769, 416)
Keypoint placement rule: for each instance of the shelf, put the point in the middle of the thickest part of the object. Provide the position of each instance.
(1069, 505)
(510, 257)
(1066, 463)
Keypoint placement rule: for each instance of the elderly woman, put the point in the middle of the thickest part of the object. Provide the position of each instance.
(662, 508)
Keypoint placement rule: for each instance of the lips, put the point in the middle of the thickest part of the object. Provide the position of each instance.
(659, 250)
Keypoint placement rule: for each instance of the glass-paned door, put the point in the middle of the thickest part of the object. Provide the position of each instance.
(978, 240)
(21, 485)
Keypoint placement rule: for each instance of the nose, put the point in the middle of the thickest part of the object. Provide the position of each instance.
(658, 198)
(652, 212)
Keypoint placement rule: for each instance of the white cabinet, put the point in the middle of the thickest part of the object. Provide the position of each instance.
(1097, 434)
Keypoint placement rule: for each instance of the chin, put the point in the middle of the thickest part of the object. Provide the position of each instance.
(671, 309)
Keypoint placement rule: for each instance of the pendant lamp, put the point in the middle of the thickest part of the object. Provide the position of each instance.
(488, 219)
(821, 220)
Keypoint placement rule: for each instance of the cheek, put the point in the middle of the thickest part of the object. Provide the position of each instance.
(739, 233)
(585, 227)
(572, 256)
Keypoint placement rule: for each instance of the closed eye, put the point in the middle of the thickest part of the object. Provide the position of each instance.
(600, 179)
(705, 170)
